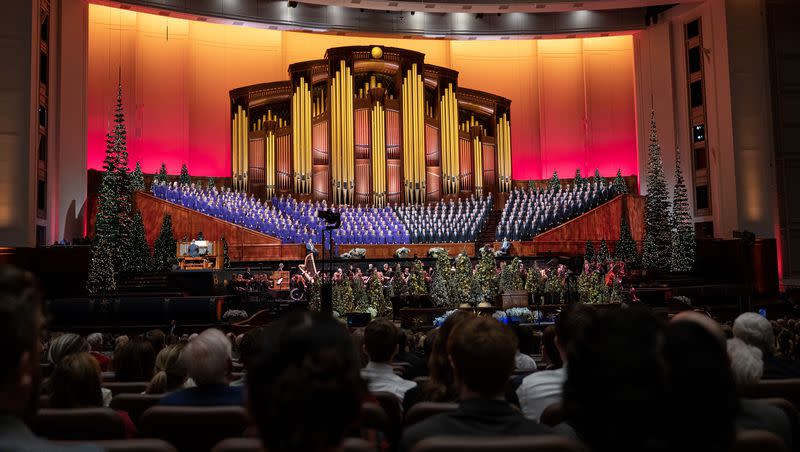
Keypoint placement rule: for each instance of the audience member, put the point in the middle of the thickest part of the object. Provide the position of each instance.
(380, 344)
(550, 353)
(248, 347)
(170, 371)
(541, 389)
(756, 330)
(75, 383)
(418, 367)
(746, 361)
(208, 364)
(95, 341)
(304, 390)
(134, 360)
(523, 362)
(66, 344)
(481, 351)
(156, 338)
(21, 325)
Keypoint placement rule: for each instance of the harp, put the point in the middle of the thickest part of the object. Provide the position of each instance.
(309, 268)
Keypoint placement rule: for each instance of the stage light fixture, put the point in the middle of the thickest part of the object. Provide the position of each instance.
(292, 4)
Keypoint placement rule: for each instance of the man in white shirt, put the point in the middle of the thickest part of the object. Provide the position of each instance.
(544, 388)
(380, 345)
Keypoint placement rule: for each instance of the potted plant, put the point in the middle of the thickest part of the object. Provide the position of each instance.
(511, 285)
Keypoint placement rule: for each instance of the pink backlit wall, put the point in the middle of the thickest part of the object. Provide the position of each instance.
(572, 99)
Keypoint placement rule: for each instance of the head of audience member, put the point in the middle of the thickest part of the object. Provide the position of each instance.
(208, 358)
(120, 341)
(755, 330)
(21, 325)
(170, 371)
(615, 392)
(304, 387)
(481, 351)
(75, 382)
(157, 339)
(525, 338)
(134, 360)
(441, 386)
(380, 341)
(65, 345)
(746, 360)
(569, 324)
(248, 346)
(95, 341)
(550, 352)
(358, 341)
(703, 403)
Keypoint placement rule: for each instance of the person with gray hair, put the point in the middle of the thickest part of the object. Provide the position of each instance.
(756, 330)
(95, 341)
(746, 364)
(208, 363)
(64, 345)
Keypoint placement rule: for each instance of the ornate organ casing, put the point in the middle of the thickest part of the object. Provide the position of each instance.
(369, 125)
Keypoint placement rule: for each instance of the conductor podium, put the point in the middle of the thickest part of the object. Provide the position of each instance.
(199, 255)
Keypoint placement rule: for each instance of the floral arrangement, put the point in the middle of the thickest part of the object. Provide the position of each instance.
(234, 315)
(500, 316)
(521, 314)
(439, 321)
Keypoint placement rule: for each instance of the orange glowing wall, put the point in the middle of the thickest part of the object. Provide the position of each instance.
(572, 100)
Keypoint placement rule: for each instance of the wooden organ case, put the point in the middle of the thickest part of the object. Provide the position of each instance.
(369, 125)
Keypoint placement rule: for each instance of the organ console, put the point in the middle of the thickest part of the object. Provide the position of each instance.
(369, 125)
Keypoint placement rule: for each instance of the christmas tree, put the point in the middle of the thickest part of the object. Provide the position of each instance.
(101, 271)
(603, 255)
(597, 179)
(162, 174)
(226, 260)
(440, 295)
(342, 297)
(360, 296)
(164, 249)
(137, 257)
(511, 276)
(683, 243)
(588, 255)
(534, 282)
(579, 180)
(184, 178)
(379, 303)
(626, 246)
(484, 281)
(554, 183)
(416, 282)
(211, 183)
(658, 235)
(461, 281)
(137, 178)
(398, 284)
(619, 187)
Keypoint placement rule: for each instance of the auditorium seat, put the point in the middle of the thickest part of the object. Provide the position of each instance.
(126, 387)
(423, 410)
(109, 377)
(552, 415)
(135, 404)
(373, 417)
(193, 428)
(758, 441)
(788, 389)
(254, 445)
(127, 445)
(78, 424)
(393, 408)
(542, 443)
(422, 381)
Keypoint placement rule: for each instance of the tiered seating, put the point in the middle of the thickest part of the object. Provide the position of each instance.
(531, 211)
(460, 221)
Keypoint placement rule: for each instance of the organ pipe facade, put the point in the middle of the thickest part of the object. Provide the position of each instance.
(369, 124)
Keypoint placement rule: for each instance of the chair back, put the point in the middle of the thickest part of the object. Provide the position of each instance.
(540, 443)
(78, 424)
(373, 417)
(788, 389)
(423, 410)
(394, 412)
(758, 441)
(552, 415)
(127, 445)
(135, 404)
(254, 445)
(126, 387)
(193, 428)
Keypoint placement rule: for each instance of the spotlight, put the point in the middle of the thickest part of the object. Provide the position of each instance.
(292, 4)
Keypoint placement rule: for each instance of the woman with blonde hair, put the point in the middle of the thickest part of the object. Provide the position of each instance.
(170, 371)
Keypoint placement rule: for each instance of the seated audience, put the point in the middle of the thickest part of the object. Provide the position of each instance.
(755, 330)
(64, 345)
(404, 355)
(170, 371)
(481, 351)
(380, 344)
(523, 362)
(134, 360)
(21, 325)
(248, 347)
(95, 341)
(304, 388)
(75, 383)
(208, 364)
(541, 389)
(550, 353)
(157, 339)
(746, 362)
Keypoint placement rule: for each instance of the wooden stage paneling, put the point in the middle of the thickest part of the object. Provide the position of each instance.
(243, 244)
(418, 250)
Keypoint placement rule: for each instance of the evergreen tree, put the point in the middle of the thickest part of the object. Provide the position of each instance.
(554, 183)
(211, 183)
(531, 185)
(226, 260)
(137, 257)
(416, 282)
(658, 235)
(137, 178)
(579, 180)
(597, 179)
(534, 282)
(101, 271)
(440, 295)
(162, 174)
(164, 249)
(603, 255)
(377, 301)
(619, 187)
(342, 299)
(360, 297)
(461, 281)
(511, 276)
(184, 178)
(484, 281)
(683, 243)
(588, 255)
(626, 247)
(398, 284)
